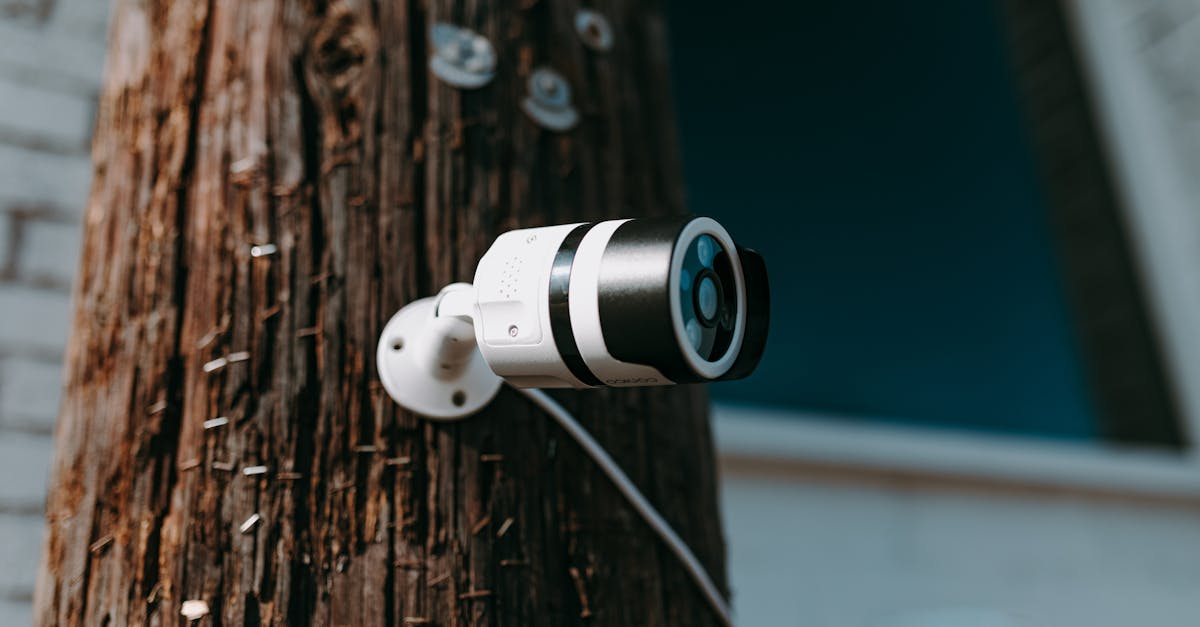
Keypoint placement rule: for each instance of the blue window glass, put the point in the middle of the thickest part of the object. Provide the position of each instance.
(875, 153)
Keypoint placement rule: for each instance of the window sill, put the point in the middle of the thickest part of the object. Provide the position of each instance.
(756, 441)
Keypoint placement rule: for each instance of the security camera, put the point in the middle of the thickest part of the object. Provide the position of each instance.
(618, 303)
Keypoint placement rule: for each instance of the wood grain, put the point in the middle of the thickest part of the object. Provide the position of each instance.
(316, 127)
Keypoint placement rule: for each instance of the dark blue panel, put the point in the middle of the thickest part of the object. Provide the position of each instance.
(874, 152)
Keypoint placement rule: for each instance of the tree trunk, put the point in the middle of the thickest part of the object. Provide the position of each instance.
(316, 127)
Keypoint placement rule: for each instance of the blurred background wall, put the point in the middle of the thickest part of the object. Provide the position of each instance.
(977, 405)
(51, 57)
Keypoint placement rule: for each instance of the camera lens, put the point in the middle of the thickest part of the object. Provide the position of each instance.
(706, 298)
(706, 249)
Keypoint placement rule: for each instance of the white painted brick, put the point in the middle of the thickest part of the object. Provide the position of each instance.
(34, 319)
(29, 393)
(15, 613)
(20, 549)
(45, 114)
(32, 53)
(88, 18)
(49, 251)
(39, 178)
(49, 74)
(24, 469)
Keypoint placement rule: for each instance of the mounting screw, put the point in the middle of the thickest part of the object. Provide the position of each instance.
(549, 101)
(594, 30)
(462, 58)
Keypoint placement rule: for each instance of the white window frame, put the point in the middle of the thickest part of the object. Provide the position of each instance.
(751, 439)
(1148, 146)
(1160, 199)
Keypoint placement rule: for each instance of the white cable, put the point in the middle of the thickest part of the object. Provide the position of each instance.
(639, 502)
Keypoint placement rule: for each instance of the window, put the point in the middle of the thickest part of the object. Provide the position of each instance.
(932, 197)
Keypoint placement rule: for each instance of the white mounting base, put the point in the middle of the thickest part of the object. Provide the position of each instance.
(431, 365)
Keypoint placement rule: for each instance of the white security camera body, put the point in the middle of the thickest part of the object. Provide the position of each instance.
(618, 303)
(512, 313)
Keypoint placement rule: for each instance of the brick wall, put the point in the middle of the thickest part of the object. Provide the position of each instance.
(51, 58)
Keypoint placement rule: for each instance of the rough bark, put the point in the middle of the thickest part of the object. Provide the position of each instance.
(316, 127)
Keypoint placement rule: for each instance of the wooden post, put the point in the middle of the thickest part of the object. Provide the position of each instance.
(315, 128)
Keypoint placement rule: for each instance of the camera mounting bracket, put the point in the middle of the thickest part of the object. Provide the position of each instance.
(428, 359)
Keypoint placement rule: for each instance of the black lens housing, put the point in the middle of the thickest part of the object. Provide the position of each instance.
(634, 302)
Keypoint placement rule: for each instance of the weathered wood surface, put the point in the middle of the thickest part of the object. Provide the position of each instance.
(316, 127)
